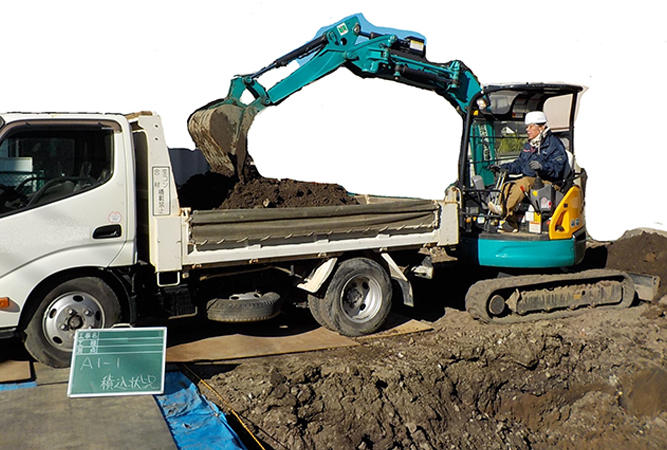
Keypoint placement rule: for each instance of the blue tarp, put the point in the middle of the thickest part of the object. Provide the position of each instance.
(13, 386)
(194, 422)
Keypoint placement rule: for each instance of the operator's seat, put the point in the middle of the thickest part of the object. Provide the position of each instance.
(569, 165)
(569, 172)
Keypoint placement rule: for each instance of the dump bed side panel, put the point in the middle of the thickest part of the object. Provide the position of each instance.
(229, 235)
(222, 229)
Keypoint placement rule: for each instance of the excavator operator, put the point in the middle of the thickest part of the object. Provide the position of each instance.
(543, 157)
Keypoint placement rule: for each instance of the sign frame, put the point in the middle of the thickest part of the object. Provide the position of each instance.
(117, 362)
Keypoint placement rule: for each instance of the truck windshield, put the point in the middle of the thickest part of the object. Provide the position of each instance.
(40, 165)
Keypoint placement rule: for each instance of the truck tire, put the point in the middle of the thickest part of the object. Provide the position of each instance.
(358, 299)
(79, 303)
(314, 305)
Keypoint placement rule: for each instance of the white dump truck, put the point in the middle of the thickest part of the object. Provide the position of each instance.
(92, 234)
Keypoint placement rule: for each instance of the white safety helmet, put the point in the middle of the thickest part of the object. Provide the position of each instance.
(537, 117)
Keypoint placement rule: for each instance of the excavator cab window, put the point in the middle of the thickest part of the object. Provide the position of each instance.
(496, 134)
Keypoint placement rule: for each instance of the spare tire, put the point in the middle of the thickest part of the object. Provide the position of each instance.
(247, 307)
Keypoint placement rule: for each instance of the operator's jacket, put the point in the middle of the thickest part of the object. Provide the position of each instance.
(551, 155)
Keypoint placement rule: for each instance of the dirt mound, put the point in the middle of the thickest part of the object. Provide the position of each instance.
(643, 252)
(205, 191)
(465, 385)
(273, 193)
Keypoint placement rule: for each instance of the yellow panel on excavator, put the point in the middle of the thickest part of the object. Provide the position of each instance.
(568, 216)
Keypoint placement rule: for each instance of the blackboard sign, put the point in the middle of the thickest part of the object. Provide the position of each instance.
(118, 361)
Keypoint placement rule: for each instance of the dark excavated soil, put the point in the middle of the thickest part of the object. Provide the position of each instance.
(285, 193)
(205, 191)
(594, 381)
(214, 191)
(644, 254)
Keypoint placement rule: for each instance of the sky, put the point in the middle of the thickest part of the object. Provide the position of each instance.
(371, 136)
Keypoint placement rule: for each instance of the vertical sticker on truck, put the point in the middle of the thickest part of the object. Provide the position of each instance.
(161, 197)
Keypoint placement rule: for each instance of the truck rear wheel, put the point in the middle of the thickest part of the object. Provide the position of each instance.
(358, 299)
(79, 303)
(314, 305)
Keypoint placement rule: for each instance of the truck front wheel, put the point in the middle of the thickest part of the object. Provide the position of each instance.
(358, 299)
(79, 303)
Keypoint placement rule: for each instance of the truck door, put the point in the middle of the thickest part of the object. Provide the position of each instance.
(64, 201)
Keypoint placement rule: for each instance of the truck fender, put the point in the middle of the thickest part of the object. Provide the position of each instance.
(399, 277)
(321, 274)
(318, 276)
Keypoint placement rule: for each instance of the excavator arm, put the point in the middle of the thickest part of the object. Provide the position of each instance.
(220, 129)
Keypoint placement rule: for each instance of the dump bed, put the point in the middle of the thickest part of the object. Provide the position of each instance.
(270, 234)
(172, 238)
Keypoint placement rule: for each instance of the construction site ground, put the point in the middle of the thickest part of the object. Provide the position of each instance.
(597, 380)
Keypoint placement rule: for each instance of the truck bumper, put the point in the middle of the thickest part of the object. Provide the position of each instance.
(7, 333)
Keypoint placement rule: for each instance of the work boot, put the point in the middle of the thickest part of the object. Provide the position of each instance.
(508, 227)
(495, 209)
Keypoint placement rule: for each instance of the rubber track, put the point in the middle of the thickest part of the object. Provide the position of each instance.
(480, 292)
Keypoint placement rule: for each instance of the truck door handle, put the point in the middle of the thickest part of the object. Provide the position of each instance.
(107, 232)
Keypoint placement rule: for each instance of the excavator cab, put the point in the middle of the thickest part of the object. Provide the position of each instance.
(551, 218)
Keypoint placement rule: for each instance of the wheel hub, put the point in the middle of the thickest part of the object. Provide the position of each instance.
(362, 298)
(354, 297)
(75, 322)
(70, 312)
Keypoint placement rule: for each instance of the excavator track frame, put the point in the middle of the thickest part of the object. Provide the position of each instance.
(562, 295)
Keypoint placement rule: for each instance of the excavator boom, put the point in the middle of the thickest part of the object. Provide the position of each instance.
(220, 129)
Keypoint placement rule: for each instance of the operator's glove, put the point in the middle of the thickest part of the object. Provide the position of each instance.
(535, 165)
(495, 168)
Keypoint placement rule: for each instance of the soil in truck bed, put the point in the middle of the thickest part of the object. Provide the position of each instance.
(214, 191)
(273, 193)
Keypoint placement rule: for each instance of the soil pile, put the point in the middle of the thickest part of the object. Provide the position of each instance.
(205, 191)
(273, 193)
(643, 252)
(215, 191)
(597, 380)
(467, 385)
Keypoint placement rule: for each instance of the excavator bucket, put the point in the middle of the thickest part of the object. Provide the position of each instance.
(220, 131)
